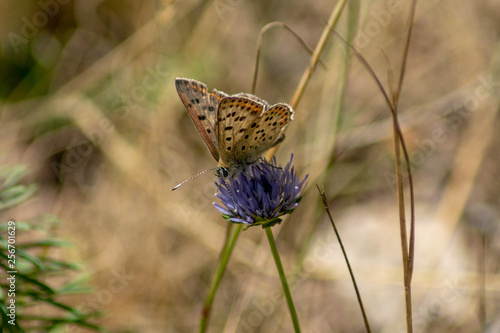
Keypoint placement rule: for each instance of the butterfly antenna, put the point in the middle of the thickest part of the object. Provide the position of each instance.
(191, 178)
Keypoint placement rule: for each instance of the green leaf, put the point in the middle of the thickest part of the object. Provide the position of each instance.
(47, 243)
(16, 195)
(12, 175)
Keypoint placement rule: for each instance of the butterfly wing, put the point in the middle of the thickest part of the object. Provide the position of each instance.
(201, 106)
(246, 129)
(269, 131)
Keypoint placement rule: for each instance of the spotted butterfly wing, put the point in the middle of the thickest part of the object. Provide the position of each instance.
(247, 127)
(201, 106)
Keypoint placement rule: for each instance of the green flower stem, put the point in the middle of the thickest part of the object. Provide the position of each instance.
(227, 249)
(286, 289)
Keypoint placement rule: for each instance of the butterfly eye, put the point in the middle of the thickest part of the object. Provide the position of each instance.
(222, 172)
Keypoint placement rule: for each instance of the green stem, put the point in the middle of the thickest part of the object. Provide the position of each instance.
(286, 289)
(227, 249)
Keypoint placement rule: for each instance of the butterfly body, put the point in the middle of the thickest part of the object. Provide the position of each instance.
(236, 129)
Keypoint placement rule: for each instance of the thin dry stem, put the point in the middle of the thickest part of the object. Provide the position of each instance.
(390, 71)
(351, 273)
(408, 272)
(406, 49)
(392, 102)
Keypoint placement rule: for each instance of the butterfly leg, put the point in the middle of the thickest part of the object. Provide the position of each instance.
(231, 195)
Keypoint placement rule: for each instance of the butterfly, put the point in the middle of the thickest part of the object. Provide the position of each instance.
(236, 129)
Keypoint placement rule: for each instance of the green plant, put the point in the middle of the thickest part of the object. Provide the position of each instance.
(30, 298)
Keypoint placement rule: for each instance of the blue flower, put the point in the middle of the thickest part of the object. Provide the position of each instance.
(260, 194)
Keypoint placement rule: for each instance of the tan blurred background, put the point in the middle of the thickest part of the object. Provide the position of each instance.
(89, 104)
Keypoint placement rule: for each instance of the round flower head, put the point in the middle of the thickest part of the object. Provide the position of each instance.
(260, 194)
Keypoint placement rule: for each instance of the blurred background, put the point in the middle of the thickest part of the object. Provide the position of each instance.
(89, 105)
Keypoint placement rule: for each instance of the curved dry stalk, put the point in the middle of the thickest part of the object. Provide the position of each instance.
(325, 36)
(400, 138)
(264, 29)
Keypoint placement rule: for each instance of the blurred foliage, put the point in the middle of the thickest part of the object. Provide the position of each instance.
(26, 252)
